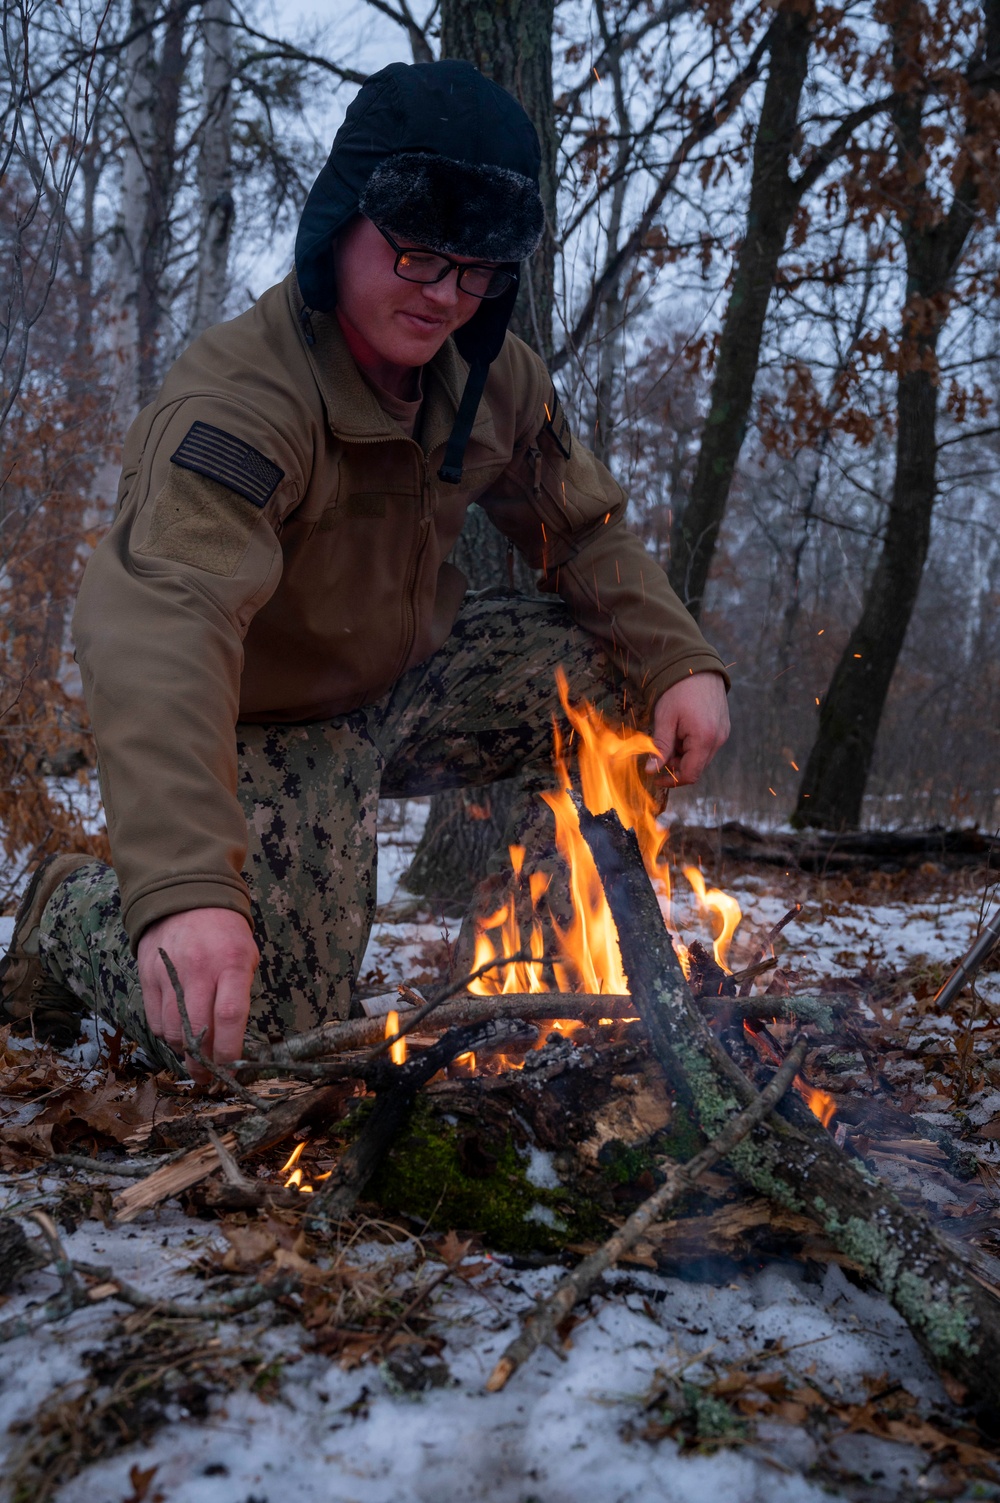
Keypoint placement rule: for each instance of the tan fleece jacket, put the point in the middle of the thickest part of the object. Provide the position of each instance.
(279, 554)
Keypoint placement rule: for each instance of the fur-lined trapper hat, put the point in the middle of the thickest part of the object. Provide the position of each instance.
(442, 157)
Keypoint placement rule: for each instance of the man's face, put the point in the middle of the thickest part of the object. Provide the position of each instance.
(403, 322)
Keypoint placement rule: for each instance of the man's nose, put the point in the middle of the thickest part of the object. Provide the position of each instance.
(443, 294)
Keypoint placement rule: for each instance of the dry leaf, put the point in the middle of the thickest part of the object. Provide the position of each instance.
(141, 1482)
(248, 1246)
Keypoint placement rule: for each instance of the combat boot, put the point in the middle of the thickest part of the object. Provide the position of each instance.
(28, 994)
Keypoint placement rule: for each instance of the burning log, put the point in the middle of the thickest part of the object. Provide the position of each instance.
(794, 1162)
(541, 1324)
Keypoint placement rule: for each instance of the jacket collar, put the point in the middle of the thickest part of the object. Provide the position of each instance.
(352, 409)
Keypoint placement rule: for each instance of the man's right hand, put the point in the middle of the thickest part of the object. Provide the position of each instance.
(213, 952)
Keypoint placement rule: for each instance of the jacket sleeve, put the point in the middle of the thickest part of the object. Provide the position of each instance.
(566, 515)
(165, 604)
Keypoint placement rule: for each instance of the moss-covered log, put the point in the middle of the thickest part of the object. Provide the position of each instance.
(794, 1162)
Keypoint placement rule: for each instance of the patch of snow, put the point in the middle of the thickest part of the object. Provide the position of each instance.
(541, 1171)
(558, 1432)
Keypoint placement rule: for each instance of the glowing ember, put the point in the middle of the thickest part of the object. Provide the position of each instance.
(723, 907)
(397, 1051)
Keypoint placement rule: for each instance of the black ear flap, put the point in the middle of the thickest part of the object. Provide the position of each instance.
(451, 468)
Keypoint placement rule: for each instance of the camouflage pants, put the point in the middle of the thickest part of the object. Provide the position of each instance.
(480, 709)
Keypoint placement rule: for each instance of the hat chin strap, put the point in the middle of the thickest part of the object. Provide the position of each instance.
(454, 454)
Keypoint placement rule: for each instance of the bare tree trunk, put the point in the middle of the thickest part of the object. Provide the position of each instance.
(138, 114)
(774, 196)
(839, 763)
(510, 41)
(215, 166)
(157, 237)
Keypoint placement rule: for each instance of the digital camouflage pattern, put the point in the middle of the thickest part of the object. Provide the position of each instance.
(478, 710)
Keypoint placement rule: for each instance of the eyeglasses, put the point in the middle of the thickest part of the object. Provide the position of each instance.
(429, 266)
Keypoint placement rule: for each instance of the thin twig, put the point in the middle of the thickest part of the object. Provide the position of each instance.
(412, 1019)
(194, 1049)
(547, 1315)
(126, 1169)
(766, 944)
(220, 1309)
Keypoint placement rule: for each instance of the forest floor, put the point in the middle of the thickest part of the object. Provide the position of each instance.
(719, 1375)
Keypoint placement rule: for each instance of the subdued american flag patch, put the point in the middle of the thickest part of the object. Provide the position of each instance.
(233, 463)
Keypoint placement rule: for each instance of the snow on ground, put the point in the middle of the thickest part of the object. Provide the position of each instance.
(561, 1432)
(572, 1431)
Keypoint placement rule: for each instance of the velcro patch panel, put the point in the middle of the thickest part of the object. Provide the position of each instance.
(235, 464)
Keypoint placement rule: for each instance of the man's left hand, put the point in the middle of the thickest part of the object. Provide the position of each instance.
(690, 723)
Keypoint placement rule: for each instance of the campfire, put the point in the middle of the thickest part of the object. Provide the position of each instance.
(592, 1035)
(587, 959)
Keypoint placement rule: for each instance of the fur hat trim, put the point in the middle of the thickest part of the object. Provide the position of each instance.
(458, 208)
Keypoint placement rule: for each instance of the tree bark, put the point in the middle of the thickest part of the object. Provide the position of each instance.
(774, 196)
(838, 767)
(215, 166)
(137, 117)
(143, 239)
(791, 1159)
(510, 41)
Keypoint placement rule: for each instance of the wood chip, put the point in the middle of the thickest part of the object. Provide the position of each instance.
(170, 1180)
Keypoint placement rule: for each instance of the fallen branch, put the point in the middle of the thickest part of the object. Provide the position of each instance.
(818, 1009)
(795, 1162)
(72, 1295)
(392, 1106)
(235, 1303)
(361, 1033)
(123, 1168)
(548, 1314)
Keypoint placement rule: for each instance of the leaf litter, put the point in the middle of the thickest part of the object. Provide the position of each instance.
(770, 1377)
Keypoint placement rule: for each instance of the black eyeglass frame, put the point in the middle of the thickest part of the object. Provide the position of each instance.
(510, 277)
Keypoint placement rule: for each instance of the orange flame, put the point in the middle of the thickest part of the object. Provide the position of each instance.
(610, 762)
(397, 1051)
(819, 1103)
(725, 908)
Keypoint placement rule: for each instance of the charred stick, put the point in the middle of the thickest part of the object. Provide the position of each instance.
(329, 1037)
(766, 944)
(392, 1109)
(744, 979)
(927, 1278)
(413, 1019)
(254, 1195)
(541, 1324)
